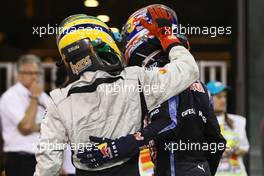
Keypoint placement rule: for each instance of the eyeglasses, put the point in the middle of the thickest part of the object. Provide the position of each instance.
(31, 72)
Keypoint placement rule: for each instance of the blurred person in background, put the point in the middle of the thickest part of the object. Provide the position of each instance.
(22, 108)
(233, 128)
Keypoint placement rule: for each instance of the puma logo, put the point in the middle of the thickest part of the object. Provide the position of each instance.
(201, 167)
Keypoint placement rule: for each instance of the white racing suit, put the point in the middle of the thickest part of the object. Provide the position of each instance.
(107, 108)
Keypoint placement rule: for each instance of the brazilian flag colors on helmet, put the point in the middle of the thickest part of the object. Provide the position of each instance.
(87, 44)
(80, 26)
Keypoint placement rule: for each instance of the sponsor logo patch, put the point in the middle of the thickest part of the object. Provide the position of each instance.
(162, 70)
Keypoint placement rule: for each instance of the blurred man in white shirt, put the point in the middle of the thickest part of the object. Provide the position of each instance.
(22, 108)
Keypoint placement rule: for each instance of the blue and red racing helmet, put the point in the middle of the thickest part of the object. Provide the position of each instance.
(135, 35)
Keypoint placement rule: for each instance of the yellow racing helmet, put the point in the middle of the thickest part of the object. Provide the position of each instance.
(87, 44)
